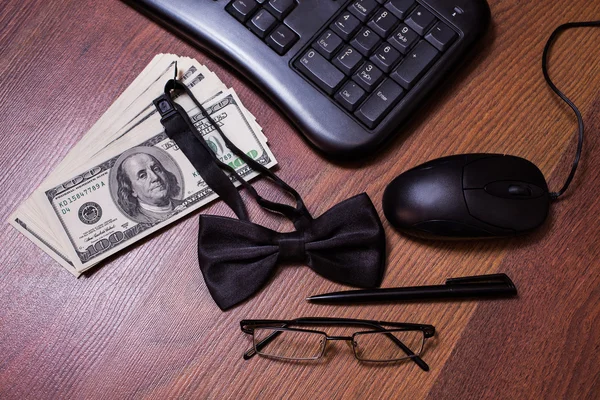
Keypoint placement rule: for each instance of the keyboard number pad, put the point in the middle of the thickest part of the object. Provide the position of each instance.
(373, 53)
(265, 18)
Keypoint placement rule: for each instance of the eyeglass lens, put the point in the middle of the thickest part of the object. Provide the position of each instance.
(388, 346)
(289, 344)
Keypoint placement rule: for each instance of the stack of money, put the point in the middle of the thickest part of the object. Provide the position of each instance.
(126, 179)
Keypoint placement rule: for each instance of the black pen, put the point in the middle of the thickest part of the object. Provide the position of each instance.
(495, 285)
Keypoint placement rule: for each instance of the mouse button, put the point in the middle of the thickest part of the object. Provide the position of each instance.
(422, 200)
(421, 195)
(445, 228)
(513, 190)
(477, 174)
(518, 214)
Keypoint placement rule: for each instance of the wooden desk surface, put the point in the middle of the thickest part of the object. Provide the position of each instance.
(144, 325)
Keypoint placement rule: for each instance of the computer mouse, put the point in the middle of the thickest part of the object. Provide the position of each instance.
(468, 196)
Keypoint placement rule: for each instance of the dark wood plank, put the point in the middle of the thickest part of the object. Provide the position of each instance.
(144, 325)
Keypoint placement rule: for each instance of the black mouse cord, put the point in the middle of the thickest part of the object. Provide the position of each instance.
(557, 31)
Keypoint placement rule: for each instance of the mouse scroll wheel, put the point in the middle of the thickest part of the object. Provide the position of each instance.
(513, 190)
(519, 190)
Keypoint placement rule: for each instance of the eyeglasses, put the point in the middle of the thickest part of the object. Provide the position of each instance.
(382, 342)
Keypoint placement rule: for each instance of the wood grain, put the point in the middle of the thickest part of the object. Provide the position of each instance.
(143, 324)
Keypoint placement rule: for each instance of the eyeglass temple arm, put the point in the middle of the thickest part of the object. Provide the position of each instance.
(251, 352)
(429, 330)
(418, 360)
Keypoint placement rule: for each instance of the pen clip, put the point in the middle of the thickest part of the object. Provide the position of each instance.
(492, 279)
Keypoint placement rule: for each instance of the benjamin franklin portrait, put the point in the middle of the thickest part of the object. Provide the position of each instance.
(148, 184)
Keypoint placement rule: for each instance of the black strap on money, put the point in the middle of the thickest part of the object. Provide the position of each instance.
(237, 257)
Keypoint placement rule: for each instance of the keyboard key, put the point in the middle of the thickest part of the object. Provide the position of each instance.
(262, 23)
(281, 39)
(347, 59)
(346, 25)
(383, 22)
(320, 71)
(365, 41)
(363, 9)
(385, 57)
(242, 9)
(441, 36)
(280, 8)
(403, 38)
(400, 8)
(368, 76)
(350, 96)
(420, 20)
(328, 44)
(380, 103)
(415, 64)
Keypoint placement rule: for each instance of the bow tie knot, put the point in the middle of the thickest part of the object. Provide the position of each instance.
(291, 247)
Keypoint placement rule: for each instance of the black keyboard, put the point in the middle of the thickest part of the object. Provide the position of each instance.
(347, 73)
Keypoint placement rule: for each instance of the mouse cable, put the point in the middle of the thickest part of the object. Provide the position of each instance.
(564, 27)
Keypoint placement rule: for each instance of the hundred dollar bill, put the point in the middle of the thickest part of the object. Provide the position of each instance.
(127, 197)
(134, 101)
(192, 74)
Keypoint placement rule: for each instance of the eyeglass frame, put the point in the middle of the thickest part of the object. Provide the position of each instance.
(248, 326)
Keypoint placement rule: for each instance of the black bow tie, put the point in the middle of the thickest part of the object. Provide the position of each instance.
(346, 245)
